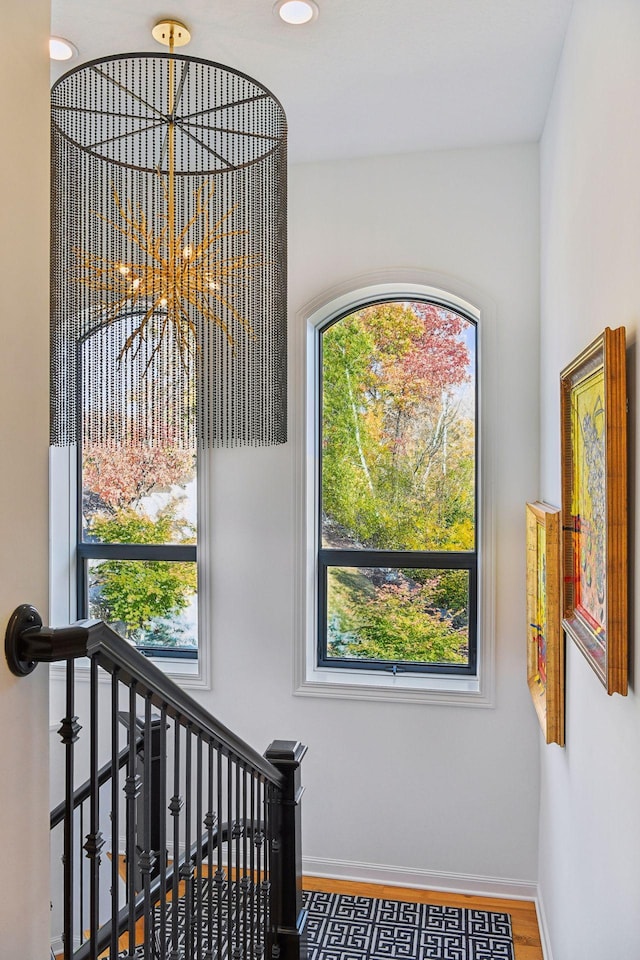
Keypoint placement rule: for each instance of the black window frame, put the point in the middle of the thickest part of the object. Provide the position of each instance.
(356, 558)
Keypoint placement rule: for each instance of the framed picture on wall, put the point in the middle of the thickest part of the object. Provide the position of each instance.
(594, 506)
(545, 640)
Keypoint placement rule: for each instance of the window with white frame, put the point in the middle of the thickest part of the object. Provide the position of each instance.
(396, 492)
(125, 528)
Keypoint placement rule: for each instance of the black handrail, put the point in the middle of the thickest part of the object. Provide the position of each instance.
(28, 643)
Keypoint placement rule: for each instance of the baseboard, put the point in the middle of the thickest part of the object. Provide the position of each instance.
(421, 879)
(543, 927)
(411, 877)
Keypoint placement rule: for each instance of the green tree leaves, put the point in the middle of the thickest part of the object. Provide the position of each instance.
(398, 440)
(129, 498)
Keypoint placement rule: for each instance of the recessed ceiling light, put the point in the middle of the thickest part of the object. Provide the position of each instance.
(61, 49)
(296, 11)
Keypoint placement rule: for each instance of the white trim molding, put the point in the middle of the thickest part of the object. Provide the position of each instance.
(458, 883)
(543, 927)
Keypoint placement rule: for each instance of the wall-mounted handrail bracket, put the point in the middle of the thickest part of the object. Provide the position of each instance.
(24, 618)
(27, 643)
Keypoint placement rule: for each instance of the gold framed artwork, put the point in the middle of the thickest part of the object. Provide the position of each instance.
(545, 641)
(594, 506)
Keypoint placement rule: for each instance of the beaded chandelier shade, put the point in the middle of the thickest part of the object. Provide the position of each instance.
(168, 255)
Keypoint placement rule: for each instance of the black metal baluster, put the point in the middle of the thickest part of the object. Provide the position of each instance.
(245, 882)
(237, 836)
(68, 732)
(255, 846)
(271, 858)
(262, 865)
(131, 792)
(272, 898)
(162, 852)
(252, 868)
(95, 841)
(199, 878)
(220, 871)
(210, 822)
(268, 861)
(146, 858)
(81, 916)
(175, 807)
(187, 867)
(115, 814)
(230, 916)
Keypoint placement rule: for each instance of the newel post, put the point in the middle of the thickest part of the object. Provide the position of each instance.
(157, 761)
(288, 914)
(152, 814)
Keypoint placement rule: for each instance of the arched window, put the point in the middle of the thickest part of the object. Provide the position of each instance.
(397, 497)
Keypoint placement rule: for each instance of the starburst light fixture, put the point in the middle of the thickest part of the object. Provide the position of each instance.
(169, 279)
(169, 252)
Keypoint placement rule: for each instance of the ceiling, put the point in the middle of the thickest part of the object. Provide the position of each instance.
(367, 77)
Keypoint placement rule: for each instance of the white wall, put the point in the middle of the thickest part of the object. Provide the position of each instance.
(24, 270)
(428, 788)
(590, 207)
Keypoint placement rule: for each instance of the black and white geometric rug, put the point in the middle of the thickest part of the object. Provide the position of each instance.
(344, 927)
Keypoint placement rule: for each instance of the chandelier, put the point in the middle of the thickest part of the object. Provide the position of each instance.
(169, 253)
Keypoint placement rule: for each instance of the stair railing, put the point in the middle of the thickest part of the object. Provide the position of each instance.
(205, 858)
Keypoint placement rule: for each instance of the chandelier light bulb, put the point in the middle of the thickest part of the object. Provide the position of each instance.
(296, 12)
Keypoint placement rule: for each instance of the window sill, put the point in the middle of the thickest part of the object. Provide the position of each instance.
(372, 685)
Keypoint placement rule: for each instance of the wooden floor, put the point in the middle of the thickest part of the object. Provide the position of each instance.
(526, 936)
